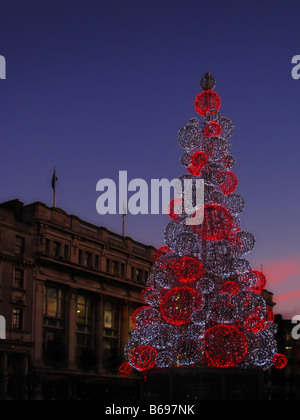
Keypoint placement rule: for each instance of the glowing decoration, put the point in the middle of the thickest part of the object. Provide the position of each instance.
(179, 304)
(279, 361)
(255, 281)
(143, 358)
(223, 309)
(126, 370)
(254, 324)
(145, 316)
(188, 349)
(217, 223)
(197, 162)
(175, 208)
(205, 302)
(213, 129)
(207, 101)
(164, 250)
(151, 296)
(165, 359)
(230, 287)
(188, 269)
(225, 346)
(230, 183)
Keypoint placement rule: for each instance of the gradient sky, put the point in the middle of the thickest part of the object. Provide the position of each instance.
(94, 87)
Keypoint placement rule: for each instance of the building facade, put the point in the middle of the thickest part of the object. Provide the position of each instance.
(67, 291)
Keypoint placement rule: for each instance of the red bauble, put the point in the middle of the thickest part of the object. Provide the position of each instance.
(258, 281)
(198, 161)
(217, 224)
(143, 358)
(231, 288)
(254, 324)
(125, 370)
(178, 305)
(230, 183)
(225, 346)
(213, 129)
(161, 252)
(279, 361)
(207, 101)
(188, 269)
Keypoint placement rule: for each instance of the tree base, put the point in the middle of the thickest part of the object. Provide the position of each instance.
(202, 384)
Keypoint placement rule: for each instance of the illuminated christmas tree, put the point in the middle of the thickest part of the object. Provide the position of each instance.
(204, 301)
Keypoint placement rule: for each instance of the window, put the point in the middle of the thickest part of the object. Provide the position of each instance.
(20, 245)
(84, 313)
(97, 262)
(115, 268)
(111, 319)
(48, 246)
(84, 328)
(139, 275)
(66, 252)
(132, 273)
(54, 303)
(107, 265)
(122, 270)
(111, 335)
(17, 319)
(88, 260)
(56, 249)
(18, 278)
(80, 256)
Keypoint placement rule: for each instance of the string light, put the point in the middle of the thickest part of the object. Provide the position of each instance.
(205, 301)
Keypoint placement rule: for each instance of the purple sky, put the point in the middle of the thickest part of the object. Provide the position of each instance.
(95, 87)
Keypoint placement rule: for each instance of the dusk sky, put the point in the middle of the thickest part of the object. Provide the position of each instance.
(94, 87)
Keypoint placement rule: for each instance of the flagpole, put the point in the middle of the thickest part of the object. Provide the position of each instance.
(54, 188)
(123, 216)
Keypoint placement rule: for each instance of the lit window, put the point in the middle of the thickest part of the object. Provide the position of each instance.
(17, 318)
(54, 302)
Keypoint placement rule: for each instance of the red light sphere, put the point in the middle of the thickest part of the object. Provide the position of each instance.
(178, 305)
(213, 129)
(125, 370)
(161, 252)
(259, 282)
(217, 224)
(279, 361)
(198, 161)
(143, 358)
(207, 101)
(225, 346)
(230, 184)
(231, 288)
(188, 269)
(254, 324)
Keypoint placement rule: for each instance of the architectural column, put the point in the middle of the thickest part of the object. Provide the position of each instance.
(99, 325)
(72, 342)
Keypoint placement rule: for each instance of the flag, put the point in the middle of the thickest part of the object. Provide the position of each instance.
(54, 179)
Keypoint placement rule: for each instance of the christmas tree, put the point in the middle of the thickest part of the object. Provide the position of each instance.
(204, 301)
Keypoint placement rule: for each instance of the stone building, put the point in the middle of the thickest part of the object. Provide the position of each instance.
(67, 292)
